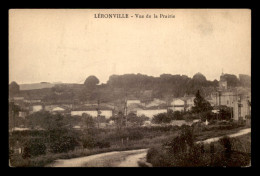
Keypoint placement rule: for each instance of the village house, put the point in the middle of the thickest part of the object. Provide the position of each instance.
(57, 109)
(242, 107)
(129, 102)
(182, 104)
(155, 102)
(133, 108)
(18, 99)
(93, 111)
(177, 104)
(35, 108)
(32, 101)
(239, 99)
(23, 113)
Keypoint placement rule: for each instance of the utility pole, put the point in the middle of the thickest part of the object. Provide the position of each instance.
(98, 112)
(239, 106)
(125, 108)
(219, 94)
(13, 114)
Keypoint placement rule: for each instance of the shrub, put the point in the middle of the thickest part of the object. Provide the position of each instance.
(161, 118)
(103, 144)
(88, 142)
(151, 153)
(226, 143)
(158, 158)
(180, 144)
(34, 148)
(63, 144)
(135, 135)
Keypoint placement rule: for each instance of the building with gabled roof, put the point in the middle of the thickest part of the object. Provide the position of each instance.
(93, 111)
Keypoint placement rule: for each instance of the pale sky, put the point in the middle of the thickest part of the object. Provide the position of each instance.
(70, 45)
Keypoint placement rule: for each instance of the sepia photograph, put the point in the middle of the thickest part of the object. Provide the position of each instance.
(129, 87)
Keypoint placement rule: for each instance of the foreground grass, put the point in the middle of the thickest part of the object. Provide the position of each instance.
(239, 156)
(153, 140)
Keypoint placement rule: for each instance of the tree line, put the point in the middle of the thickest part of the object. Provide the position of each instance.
(134, 85)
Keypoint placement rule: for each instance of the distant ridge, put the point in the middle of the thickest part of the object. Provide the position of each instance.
(41, 85)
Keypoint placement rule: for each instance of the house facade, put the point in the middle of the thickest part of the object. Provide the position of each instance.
(36, 108)
(129, 102)
(106, 113)
(177, 104)
(182, 104)
(155, 102)
(241, 108)
(150, 112)
(238, 98)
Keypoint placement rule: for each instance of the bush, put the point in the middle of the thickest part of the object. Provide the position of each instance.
(161, 118)
(226, 143)
(34, 148)
(158, 158)
(181, 143)
(88, 142)
(135, 135)
(103, 144)
(63, 144)
(151, 153)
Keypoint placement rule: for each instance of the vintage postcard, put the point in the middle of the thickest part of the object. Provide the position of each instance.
(129, 87)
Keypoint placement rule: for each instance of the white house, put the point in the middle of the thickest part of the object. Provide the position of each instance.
(189, 102)
(58, 109)
(150, 112)
(129, 102)
(183, 103)
(241, 109)
(18, 98)
(155, 102)
(177, 104)
(36, 108)
(106, 113)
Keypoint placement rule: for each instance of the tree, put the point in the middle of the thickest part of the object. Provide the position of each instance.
(199, 78)
(135, 120)
(200, 104)
(245, 80)
(34, 147)
(88, 120)
(91, 81)
(14, 88)
(161, 118)
(119, 119)
(13, 114)
(225, 113)
(63, 143)
(232, 80)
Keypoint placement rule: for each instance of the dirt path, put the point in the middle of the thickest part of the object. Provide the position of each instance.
(121, 158)
(239, 133)
(132, 160)
(110, 159)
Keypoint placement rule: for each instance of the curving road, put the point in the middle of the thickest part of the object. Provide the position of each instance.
(239, 133)
(121, 158)
(110, 159)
